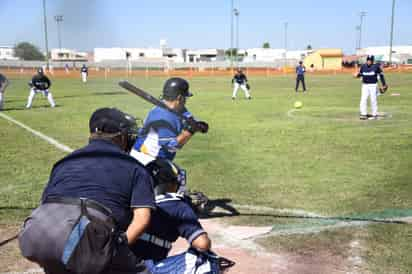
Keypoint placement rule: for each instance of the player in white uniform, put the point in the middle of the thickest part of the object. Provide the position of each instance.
(370, 73)
(240, 80)
(40, 83)
(4, 82)
(85, 73)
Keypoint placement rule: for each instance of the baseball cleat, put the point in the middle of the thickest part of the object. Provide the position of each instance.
(363, 117)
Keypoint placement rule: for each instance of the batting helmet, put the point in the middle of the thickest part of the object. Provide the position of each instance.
(174, 87)
(370, 58)
(40, 71)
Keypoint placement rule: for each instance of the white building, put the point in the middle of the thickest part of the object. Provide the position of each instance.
(68, 55)
(141, 54)
(400, 54)
(7, 53)
(204, 55)
(271, 55)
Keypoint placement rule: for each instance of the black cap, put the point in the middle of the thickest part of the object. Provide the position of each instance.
(370, 58)
(110, 120)
(174, 87)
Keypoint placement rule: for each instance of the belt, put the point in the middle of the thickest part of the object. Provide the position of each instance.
(156, 240)
(78, 201)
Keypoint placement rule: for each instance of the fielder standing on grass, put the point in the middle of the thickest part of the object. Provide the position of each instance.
(240, 80)
(4, 82)
(370, 73)
(84, 73)
(300, 76)
(40, 83)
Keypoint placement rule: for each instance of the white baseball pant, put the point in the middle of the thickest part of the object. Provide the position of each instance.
(242, 86)
(84, 77)
(369, 90)
(1, 100)
(46, 93)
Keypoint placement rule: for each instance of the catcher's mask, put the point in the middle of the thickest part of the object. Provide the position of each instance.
(164, 173)
(111, 122)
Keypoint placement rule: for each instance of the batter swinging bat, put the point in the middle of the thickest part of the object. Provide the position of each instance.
(149, 98)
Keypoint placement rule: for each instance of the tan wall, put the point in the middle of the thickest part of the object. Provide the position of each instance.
(314, 59)
(332, 62)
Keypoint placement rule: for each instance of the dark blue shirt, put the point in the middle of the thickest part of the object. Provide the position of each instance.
(239, 78)
(173, 218)
(84, 69)
(300, 70)
(101, 171)
(41, 81)
(370, 74)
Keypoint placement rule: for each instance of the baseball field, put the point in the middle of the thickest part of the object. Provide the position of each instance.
(268, 158)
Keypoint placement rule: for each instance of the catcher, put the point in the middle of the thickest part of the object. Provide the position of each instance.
(370, 73)
(174, 217)
(40, 83)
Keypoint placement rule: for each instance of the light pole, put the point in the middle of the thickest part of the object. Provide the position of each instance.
(231, 35)
(45, 33)
(361, 14)
(286, 42)
(237, 13)
(391, 39)
(59, 19)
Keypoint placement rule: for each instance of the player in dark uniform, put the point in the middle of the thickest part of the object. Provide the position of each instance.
(40, 83)
(173, 218)
(300, 76)
(370, 73)
(84, 73)
(4, 82)
(240, 80)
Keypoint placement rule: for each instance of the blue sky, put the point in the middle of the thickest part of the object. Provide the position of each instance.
(205, 24)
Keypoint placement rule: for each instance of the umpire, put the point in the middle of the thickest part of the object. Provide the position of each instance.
(93, 195)
(300, 76)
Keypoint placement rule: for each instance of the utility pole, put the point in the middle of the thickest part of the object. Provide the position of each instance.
(361, 14)
(45, 33)
(391, 39)
(59, 19)
(286, 42)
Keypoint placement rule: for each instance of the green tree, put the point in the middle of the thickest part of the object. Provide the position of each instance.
(309, 47)
(28, 51)
(266, 45)
(233, 51)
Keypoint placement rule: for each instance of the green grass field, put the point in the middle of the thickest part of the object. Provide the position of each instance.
(320, 159)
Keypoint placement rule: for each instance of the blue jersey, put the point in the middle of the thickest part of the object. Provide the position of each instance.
(84, 69)
(370, 74)
(300, 70)
(157, 138)
(173, 218)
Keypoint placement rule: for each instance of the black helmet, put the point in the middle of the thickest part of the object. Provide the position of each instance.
(165, 171)
(370, 58)
(40, 71)
(174, 87)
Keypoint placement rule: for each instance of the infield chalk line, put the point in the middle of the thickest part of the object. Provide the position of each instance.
(48, 139)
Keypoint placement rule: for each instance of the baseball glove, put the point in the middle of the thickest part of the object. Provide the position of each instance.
(383, 89)
(248, 86)
(200, 203)
(202, 126)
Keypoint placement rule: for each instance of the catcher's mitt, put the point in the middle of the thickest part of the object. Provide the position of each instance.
(199, 202)
(383, 89)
